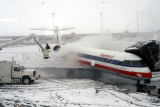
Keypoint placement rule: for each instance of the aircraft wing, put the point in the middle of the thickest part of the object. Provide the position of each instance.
(66, 28)
(45, 29)
(15, 42)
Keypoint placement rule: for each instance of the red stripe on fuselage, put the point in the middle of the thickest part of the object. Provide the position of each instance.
(129, 73)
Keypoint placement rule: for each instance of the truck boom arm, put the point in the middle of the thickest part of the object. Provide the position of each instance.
(15, 42)
(32, 36)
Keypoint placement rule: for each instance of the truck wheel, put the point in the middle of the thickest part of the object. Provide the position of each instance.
(26, 80)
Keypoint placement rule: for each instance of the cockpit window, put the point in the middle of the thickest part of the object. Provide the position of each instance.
(134, 62)
(127, 62)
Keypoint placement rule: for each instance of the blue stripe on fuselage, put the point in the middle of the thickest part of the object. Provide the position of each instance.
(106, 60)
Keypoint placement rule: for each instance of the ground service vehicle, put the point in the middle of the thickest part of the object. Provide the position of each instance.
(10, 72)
(149, 89)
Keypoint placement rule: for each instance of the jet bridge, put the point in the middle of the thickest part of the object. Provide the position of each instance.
(148, 51)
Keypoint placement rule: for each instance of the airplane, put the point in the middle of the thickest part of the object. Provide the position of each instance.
(119, 63)
(123, 64)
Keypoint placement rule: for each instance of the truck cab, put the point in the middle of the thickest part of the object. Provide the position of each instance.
(26, 76)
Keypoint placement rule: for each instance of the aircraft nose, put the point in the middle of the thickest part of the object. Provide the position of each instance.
(147, 75)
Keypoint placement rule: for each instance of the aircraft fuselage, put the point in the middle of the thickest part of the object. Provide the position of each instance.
(119, 63)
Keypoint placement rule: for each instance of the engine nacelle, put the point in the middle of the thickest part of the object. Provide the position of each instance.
(56, 48)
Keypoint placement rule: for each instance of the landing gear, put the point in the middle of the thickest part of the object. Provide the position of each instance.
(142, 87)
(147, 81)
(139, 87)
(138, 83)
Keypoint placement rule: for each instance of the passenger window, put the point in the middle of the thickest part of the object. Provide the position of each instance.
(109, 60)
(106, 60)
(102, 59)
(116, 62)
(113, 61)
(97, 58)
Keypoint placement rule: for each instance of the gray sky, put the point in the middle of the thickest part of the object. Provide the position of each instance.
(16, 16)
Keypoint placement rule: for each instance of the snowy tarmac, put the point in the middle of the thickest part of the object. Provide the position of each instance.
(51, 92)
(72, 93)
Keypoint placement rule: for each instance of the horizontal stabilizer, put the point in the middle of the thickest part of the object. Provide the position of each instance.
(51, 29)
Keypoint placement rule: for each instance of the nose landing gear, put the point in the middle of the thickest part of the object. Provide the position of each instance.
(142, 87)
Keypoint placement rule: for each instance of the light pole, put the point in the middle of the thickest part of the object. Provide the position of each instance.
(101, 14)
(137, 21)
(53, 18)
(55, 34)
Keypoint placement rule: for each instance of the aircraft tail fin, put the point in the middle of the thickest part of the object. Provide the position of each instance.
(57, 36)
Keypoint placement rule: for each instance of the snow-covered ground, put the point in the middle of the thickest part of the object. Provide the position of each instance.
(72, 93)
(66, 92)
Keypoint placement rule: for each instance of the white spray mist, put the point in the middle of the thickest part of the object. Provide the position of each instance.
(104, 42)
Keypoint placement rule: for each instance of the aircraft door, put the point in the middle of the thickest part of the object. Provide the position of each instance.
(115, 66)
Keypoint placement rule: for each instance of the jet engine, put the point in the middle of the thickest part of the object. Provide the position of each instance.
(56, 48)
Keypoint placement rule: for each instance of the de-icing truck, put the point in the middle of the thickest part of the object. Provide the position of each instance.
(10, 72)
